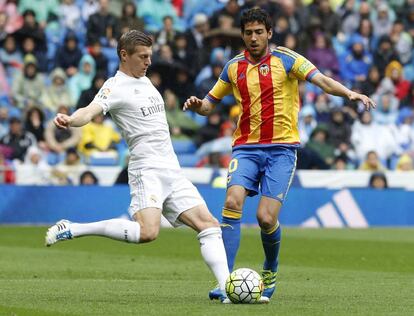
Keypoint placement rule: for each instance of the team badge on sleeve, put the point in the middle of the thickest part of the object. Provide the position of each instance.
(103, 93)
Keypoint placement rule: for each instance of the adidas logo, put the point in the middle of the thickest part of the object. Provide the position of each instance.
(343, 211)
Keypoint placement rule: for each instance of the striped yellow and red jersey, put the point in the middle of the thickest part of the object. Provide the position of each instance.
(267, 93)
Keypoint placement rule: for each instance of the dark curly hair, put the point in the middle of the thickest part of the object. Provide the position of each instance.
(255, 15)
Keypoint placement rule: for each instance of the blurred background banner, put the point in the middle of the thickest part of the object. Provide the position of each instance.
(355, 208)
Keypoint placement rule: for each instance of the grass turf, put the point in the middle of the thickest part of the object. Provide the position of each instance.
(322, 272)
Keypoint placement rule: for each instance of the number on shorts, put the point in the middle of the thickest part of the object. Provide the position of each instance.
(233, 165)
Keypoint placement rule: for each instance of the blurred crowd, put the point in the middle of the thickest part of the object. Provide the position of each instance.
(55, 56)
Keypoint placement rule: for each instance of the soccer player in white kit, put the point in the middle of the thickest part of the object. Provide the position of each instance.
(156, 182)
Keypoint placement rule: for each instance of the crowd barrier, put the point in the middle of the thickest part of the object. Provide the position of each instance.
(310, 207)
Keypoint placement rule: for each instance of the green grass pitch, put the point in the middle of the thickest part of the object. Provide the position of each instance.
(322, 272)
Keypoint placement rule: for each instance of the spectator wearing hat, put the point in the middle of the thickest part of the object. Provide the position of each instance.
(405, 163)
(28, 85)
(195, 39)
(34, 170)
(307, 123)
(395, 77)
(82, 80)
(57, 93)
(17, 140)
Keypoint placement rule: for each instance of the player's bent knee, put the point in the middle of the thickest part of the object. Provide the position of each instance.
(148, 234)
(266, 221)
(233, 203)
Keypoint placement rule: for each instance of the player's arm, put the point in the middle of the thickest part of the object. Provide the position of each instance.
(202, 107)
(79, 118)
(333, 87)
(220, 90)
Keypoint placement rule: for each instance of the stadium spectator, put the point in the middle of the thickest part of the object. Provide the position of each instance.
(34, 170)
(370, 86)
(384, 54)
(372, 162)
(408, 101)
(323, 56)
(210, 130)
(4, 84)
(365, 30)
(129, 19)
(167, 34)
(31, 28)
(356, 63)
(351, 18)
(43, 10)
(382, 19)
(195, 39)
(405, 129)
(4, 121)
(307, 122)
(341, 162)
(57, 93)
(34, 123)
(87, 95)
(339, 128)
(17, 139)
(378, 180)
(82, 80)
(153, 12)
(29, 47)
(387, 107)
(89, 7)
(183, 83)
(280, 30)
(69, 15)
(405, 163)
(329, 19)
(206, 84)
(88, 178)
(69, 54)
(10, 56)
(101, 61)
(181, 125)
(403, 42)
(103, 26)
(60, 140)
(28, 85)
(98, 137)
(68, 172)
(7, 175)
(367, 136)
(319, 143)
(394, 74)
(231, 10)
(181, 53)
(14, 19)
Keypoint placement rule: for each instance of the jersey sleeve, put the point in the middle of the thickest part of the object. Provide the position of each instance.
(303, 69)
(106, 96)
(221, 88)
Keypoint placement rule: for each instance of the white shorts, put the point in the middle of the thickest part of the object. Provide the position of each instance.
(167, 190)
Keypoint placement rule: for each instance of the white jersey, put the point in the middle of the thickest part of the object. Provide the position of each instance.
(138, 109)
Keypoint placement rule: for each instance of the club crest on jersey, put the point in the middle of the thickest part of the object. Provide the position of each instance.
(264, 69)
(103, 94)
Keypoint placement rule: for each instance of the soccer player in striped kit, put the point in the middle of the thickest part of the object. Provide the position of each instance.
(264, 83)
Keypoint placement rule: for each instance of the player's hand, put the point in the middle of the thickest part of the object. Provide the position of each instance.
(62, 121)
(193, 103)
(368, 103)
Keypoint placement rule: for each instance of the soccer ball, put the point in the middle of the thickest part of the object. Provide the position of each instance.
(244, 286)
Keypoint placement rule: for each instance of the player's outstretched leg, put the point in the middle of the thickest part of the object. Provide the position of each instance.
(271, 245)
(230, 227)
(119, 229)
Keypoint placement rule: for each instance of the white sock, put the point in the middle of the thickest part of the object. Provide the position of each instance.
(214, 254)
(119, 229)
